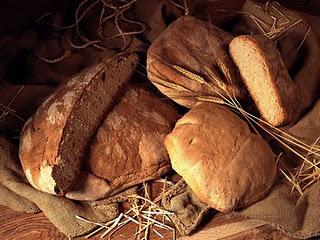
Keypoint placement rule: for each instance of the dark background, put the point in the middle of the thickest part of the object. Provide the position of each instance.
(17, 15)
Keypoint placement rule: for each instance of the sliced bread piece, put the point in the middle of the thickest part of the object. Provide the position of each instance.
(266, 78)
(54, 140)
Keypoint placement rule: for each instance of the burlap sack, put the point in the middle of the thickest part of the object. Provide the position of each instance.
(188, 210)
(298, 216)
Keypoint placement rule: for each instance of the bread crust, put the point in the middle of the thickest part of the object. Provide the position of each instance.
(128, 147)
(204, 53)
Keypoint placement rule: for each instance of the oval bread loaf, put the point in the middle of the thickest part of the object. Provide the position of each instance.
(204, 53)
(226, 165)
(54, 140)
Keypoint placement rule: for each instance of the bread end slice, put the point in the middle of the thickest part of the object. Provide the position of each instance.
(266, 78)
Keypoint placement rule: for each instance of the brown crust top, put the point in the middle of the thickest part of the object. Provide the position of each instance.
(204, 53)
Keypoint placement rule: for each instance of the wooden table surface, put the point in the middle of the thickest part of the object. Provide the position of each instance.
(23, 226)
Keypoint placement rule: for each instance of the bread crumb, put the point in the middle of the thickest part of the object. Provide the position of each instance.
(45, 180)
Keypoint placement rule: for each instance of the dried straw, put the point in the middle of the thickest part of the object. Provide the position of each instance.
(6, 109)
(280, 27)
(144, 212)
(105, 10)
(183, 7)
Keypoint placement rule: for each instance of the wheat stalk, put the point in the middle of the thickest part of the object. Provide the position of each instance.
(278, 29)
(290, 142)
(144, 212)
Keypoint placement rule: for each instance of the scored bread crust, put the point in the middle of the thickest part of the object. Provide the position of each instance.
(225, 165)
(54, 140)
(266, 78)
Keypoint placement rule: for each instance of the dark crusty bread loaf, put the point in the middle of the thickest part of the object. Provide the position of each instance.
(215, 152)
(128, 147)
(266, 78)
(202, 49)
(54, 140)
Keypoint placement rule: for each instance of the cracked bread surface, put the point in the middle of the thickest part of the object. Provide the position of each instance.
(128, 147)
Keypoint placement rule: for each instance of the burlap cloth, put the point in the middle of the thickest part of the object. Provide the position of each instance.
(296, 215)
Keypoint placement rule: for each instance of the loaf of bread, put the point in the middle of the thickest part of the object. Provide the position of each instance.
(128, 147)
(54, 141)
(226, 165)
(200, 48)
(266, 78)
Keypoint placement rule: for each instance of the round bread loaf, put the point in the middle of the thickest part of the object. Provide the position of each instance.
(226, 165)
(54, 141)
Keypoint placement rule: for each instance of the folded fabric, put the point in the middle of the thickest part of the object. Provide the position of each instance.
(188, 210)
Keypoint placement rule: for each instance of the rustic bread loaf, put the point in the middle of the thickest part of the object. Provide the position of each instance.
(226, 165)
(54, 140)
(128, 147)
(204, 53)
(266, 78)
